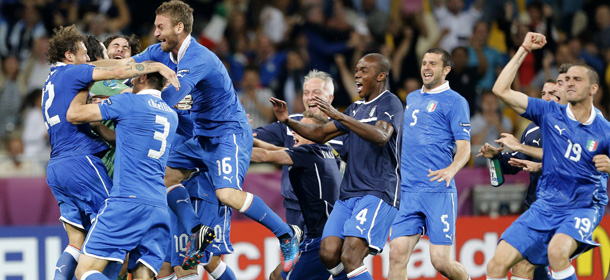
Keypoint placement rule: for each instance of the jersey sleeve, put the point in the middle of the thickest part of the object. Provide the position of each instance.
(81, 75)
(459, 119)
(391, 112)
(190, 71)
(117, 107)
(150, 53)
(301, 156)
(536, 109)
(273, 133)
(347, 112)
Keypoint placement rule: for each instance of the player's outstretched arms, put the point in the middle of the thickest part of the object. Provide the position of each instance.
(378, 134)
(112, 62)
(602, 163)
(267, 146)
(277, 156)
(526, 165)
(489, 151)
(132, 70)
(462, 155)
(514, 99)
(81, 112)
(317, 133)
(509, 140)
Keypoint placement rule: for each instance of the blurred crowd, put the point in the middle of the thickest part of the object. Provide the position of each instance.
(269, 45)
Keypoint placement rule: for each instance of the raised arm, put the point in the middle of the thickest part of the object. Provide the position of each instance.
(131, 70)
(81, 112)
(317, 133)
(277, 156)
(379, 134)
(514, 99)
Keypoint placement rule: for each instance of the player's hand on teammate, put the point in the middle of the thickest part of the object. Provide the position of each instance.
(327, 109)
(526, 165)
(489, 151)
(534, 41)
(169, 74)
(602, 163)
(280, 109)
(445, 174)
(508, 140)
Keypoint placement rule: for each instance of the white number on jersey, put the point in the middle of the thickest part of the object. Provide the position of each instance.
(586, 224)
(181, 242)
(574, 148)
(161, 137)
(224, 166)
(414, 117)
(218, 232)
(444, 220)
(362, 216)
(50, 90)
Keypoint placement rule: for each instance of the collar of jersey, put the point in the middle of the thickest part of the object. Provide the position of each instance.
(375, 97)
(588, 122)
(185, 45)
(60, 64)
(150, 91)
(438, 89)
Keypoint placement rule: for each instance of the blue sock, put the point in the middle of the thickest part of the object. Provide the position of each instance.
(360, 273)
(66, 265)
(112, 270)
(223, 272)
(93, 275)
(256, 209)
(338, 272)
(179, 201)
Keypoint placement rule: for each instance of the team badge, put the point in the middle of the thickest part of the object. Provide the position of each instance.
(110, 83)
(431, 106)
(592, 145)
(372, 112)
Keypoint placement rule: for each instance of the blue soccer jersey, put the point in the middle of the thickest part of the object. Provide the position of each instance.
(434, 121)
(277, 133)
(375, 169)
(61, 86)
(315, 178)
(216, 110)
(569, 177)
(145, 129)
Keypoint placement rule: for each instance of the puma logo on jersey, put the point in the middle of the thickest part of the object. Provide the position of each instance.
(360, 229)
(560, 130)
(216, 246)
(59, 268)
(467, 131)
(449, 236)
(536, 141)
(228, 178)
(186, 200)
(389, 115)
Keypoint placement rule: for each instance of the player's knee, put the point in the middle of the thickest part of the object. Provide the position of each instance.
(399, 255)
(441, 265)
(523, 269)
(234, 198)
(172, 176)
(558, 254)
(497, 268)
(330, 256)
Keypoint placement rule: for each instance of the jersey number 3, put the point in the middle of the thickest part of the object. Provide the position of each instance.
(161, 136)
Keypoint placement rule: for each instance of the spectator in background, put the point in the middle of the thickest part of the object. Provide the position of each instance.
(464, 78)
(456, 23)
(17, 165)
(550, 64)
(106, 18)
(270, 61)
(273, 21)
(576, 48)
(11, 93)
(602, 19)
(376, 19)
(290, 86)
(36, 68)
(488, 124)
(26, 31)
(35, 138)
(256, 98)
(488, 61)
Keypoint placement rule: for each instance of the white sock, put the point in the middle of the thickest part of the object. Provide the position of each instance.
(220, 269)
(336, 270)
(563, 274)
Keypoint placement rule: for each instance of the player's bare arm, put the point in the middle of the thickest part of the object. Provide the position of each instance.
(462, 155)
(526, 165)
(379, 134)
(132, 70)
(267, 146)
(514, 99)
(508, 140)
(276, 156)
(602, 163)
(112, 62)
(80, 112)
(317, 133)
(489, 151)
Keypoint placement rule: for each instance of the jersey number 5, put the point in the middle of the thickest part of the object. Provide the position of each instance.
(161, 136)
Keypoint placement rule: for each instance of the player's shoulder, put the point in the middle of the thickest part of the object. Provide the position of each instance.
(296, 117)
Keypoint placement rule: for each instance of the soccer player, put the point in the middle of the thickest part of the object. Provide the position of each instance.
(222, 140)
(134, 218)
(436, 126)
(122, 46)
(317, 83)
(315, 178)
(560, 223)
(369, 194)
(75, 172)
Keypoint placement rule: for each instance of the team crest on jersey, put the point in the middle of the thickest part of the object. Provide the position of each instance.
(372, 112)
(110, 83)
(431, 106)
(592, 145)
(182, 73)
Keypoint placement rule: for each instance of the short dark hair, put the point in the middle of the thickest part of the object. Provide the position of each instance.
(178, 11)
(94, 48)
(156, 80)
(64, 39)
(383, 63)
(133, 40)
(445, 56)
(593, 76)
(319, 120)
(563, 68)
(552, 81)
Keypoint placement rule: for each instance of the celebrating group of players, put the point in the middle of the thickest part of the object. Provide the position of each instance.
(399, 164)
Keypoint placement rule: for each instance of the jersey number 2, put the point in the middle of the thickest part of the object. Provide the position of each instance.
(49, 89)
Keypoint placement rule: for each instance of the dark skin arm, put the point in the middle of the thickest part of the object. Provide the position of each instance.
(317, 133)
